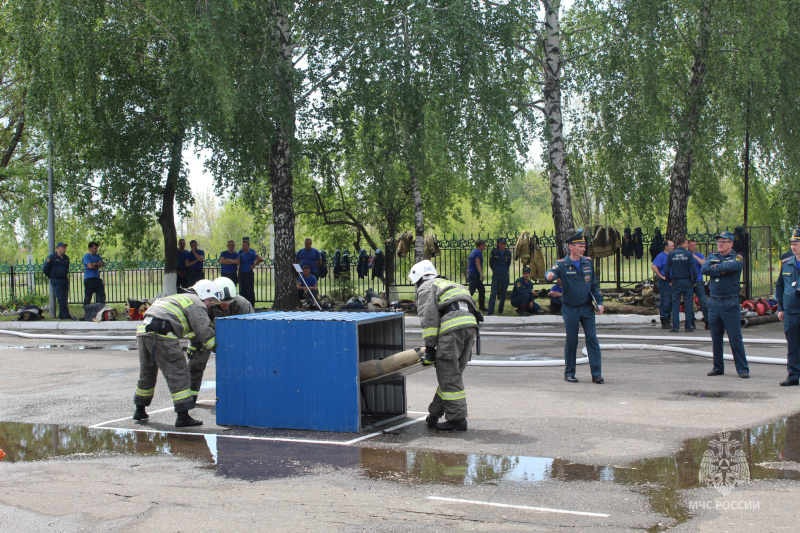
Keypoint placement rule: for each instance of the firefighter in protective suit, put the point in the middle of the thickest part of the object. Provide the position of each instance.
(166, 322)
(230, 304)
(449, 328)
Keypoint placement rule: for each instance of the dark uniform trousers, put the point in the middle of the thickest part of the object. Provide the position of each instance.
(724, 317)
(499, 287)
(475, 283)
(169, 357)
(93, 286)
(700, 291)
(60, 288)
(791, 327)
(452, 355)
(583, 315)
(193, 276)
(665, 294)
(247, 287)
(682, 287)
(233, 277)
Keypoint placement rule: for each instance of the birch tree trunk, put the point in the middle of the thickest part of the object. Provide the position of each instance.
(166, 218)
(561, 201)
(695, 100)
(419, 224)
(280, 165)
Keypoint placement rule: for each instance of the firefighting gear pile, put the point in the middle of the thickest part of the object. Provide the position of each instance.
(99, 313)
(30, 312)
(605, 243)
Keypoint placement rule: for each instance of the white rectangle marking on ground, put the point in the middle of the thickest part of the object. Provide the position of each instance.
(523, 507)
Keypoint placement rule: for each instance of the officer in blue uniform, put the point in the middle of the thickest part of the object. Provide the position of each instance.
(725, 268)
(581, 291)
(56, 268)
(522, 295)
(787, 292)
(682, 277)
(500, 263)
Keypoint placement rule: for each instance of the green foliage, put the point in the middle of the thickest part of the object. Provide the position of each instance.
(343, 288)
(20, 301)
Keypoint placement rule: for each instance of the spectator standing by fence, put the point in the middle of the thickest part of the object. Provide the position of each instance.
(180, 265)
(500, 261)
(664, 288)
(248, 260)
(475, 273)
(194, 263)
(92, 282)
(309, 256)
(229, 262)
(56, 268)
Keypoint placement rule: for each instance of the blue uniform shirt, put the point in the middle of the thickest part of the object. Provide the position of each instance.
(56, 267)
(310, 280)
(724, 271)
(246, 260)
(680, 266)
(787, 286)
(229, 269)
(660, 261)
(181, 259)
(308, 257)
(190, 257)
(578, 284)
(472, 268)
(91, 272)
(698, 266)
(500, 261)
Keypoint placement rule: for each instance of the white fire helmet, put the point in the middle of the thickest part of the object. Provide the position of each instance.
(420, 270)
(206, 289)
(226, 287)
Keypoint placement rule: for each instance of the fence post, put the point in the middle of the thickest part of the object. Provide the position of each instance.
(12, 282)
(618, 261)
(31, 281)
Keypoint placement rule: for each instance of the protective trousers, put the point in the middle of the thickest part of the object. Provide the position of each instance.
(682, 287)
(791, 327)
(197, 366)
(499, 288)
(452, 356)
(93, 286)
(583, 315)
(724, 317)
(247, 287)
(665, 294)
(169, 357)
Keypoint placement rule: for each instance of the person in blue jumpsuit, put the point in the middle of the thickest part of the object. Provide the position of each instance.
(664, 288)
(522, 295)
(229, 263)
(56, 268)
(475, 273)
(194, 263)
(725, 268)
(682, 276)
(700, 288)
(581, 291)
(787, 293)
(500, 263)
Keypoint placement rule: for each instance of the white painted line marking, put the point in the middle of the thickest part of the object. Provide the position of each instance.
(417, 413)
(523, 507)
(404, 424)
(97, 426)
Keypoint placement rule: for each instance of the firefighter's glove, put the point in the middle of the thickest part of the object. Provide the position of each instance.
(429, 357)
(191, 351)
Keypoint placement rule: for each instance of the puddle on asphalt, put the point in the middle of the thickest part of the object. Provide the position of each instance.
(771, 451)
(730, 395)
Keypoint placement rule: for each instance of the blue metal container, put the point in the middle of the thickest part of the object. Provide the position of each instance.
(299, 370)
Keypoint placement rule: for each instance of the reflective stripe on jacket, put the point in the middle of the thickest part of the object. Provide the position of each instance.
(432, 297)
(188, 317)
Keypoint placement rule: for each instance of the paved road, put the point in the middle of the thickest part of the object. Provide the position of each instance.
(540, 454)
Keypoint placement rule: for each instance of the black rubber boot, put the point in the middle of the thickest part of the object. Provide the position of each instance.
(453, 425)
(665, 323)
(185, 421)
(140, 413)
(431, 421)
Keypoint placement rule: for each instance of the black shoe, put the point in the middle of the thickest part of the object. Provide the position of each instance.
(598, 379)
(489, 313)
(708, 326)
(744, 375)
(715, 373)
(483, 309)
(790, 382)
(675, 330)
(140, 413)
(185, 421)
(689, 330)
(452, 425)
(431, 421)
(571, 379)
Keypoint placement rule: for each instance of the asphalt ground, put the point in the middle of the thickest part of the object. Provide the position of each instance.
(540, 454)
